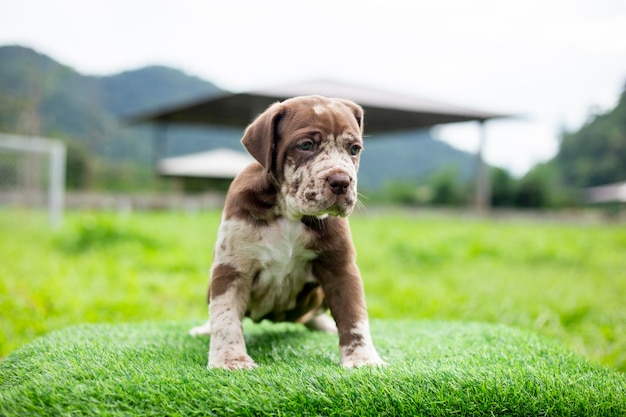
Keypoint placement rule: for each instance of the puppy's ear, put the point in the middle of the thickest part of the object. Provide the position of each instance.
(260, 136)
(356, 110)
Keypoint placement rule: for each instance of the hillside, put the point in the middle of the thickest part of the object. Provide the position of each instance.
(151, 87)
(409, 156)
(40, 96)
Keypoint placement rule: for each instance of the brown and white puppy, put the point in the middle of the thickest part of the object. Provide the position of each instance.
(284, 250)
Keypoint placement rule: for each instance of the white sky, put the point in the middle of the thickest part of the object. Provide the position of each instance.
(548, 61)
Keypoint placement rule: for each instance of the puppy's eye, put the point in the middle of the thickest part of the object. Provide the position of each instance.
(306, 145)
(354, 150)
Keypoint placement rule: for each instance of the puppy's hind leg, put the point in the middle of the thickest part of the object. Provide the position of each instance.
(322, 323)
(202, 330)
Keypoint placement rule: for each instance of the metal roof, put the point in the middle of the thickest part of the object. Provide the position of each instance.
(384, 111)
(607, 193)
(219, 163)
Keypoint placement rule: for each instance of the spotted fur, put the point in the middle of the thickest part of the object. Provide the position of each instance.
(284, 250)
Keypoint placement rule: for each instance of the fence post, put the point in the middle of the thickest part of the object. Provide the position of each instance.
(56, 152)
(57, 183)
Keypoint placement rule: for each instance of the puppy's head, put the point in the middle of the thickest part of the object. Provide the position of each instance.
(311, 146)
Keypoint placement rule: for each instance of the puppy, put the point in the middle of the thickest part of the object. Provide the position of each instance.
(284, 250)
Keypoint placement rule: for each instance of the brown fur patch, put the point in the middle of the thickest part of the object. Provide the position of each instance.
(252, 196)
(222, 277)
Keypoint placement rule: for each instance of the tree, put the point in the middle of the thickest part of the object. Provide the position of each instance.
(446, 188)
(79, 169)
(596, 153)
(503, 188)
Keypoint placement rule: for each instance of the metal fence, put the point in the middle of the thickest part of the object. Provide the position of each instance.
(32, 174)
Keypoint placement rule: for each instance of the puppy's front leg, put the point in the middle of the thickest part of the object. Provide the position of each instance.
(227, 306)
(345, 297)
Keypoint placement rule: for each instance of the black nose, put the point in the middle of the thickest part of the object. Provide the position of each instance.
(338, 183)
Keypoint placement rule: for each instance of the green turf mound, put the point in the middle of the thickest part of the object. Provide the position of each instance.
(435, 369)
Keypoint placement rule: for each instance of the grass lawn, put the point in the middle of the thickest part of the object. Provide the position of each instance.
(439, 290)
(566, 281)
(435, 369)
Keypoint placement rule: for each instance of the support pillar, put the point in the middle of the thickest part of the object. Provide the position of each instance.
(159, 144)
(482, 191)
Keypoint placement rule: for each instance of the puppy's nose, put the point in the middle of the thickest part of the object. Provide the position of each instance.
(338, 183)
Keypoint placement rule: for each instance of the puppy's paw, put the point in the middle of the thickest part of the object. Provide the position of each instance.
(322, 323)
(231, 362)
(203, 330)
(362, 356)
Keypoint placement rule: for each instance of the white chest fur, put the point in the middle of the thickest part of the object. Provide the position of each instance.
(274, 257)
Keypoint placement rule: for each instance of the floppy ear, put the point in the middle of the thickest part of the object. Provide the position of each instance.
(356, 110)
(260, 136)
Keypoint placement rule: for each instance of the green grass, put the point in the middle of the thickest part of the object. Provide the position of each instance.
(562, 280)
(433, 284)
(435, 369)
(566, 281)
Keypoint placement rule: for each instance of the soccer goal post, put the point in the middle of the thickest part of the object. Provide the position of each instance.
(32, 174)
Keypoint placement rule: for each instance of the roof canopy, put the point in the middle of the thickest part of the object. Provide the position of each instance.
(220, 163)
(384, 111)
(608, 193)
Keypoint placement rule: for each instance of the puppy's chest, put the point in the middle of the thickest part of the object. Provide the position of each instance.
(284, 247)
(277, 258)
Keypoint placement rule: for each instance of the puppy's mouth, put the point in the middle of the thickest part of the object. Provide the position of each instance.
(333, 205)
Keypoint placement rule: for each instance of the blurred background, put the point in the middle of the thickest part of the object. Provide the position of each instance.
(121, 120)
(76, 72)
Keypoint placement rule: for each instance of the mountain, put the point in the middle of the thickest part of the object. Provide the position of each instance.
(39, 96)
(151, 87)
(409, 156)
